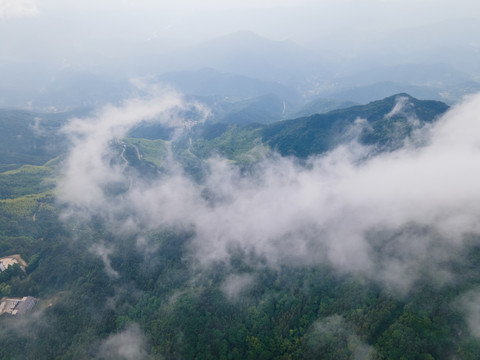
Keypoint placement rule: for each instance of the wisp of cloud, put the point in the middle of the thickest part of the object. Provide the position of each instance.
(393, 217)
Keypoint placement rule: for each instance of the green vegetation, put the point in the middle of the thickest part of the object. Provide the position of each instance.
(23, 206)
(153, 151)
(263, 110)
(26, 180)
(320, 106)
(322, 132)
(30, 138)
(315, 134)
(286, 312)
(233, 142)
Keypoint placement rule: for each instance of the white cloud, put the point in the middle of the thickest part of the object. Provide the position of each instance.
(88, 170)
(129, 344)
(104, 253)
(236, 284)
(469, 305)
(17, 8)
(394, 218)
(334, 331)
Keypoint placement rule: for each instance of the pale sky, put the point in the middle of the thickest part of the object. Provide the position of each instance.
(66, 31)
(278, 19)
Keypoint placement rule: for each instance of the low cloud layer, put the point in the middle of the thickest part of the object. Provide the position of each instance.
(333, 338)
(90, 168)
(126, 345)
(235, 285)
(393, 217)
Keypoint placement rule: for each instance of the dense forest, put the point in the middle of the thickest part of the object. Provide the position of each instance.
(106, 291)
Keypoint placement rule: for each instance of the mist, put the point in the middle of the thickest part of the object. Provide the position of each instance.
(144, 241)
(85, 53)
(333, 330)
(128, 344)
(392, 217)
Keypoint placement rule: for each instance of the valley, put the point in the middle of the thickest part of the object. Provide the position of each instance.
(127, 262)
(268, 179)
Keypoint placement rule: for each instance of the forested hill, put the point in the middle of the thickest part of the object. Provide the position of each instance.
(109, 283)
(31, 138)
(389, 121)
(385, 124)
(34, 138)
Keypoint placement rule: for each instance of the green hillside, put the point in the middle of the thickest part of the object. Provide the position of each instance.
(318, 133)
(321, 132)
(99, 286)
(30, 138)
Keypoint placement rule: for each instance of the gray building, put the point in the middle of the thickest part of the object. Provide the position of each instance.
(17, 306)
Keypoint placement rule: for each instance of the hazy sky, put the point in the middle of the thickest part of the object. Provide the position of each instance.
(299, 20)
(124, 38)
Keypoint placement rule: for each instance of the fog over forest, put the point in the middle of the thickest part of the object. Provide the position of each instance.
(341, 208)
(240, 179)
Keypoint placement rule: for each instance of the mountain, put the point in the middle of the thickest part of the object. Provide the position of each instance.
(109, 287)
(318, 133)
(210, 82)
(244, 53)
(71, 89)
(62, 90)
(367, 93)
(429, 75)
(440, 82)
(31, 137)
(263, 110)
(321, 132)
(318, 105)
(451, 42)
